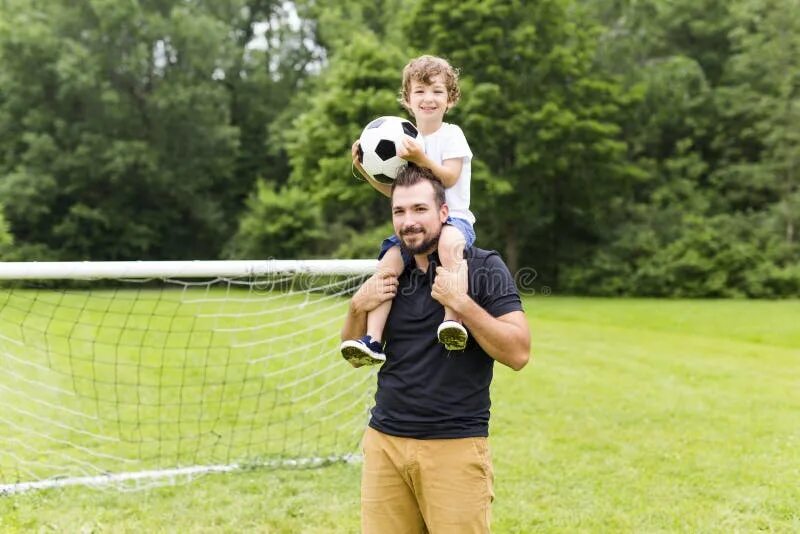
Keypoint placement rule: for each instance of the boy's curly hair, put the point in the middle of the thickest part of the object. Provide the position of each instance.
(422, 69)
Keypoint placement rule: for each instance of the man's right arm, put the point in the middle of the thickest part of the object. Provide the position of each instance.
(378, 288)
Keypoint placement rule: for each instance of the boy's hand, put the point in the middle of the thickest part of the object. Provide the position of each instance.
(412, 151)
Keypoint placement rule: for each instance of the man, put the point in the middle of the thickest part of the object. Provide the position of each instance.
(427, 466)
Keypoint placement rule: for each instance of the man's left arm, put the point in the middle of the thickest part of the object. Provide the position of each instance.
(506, 338)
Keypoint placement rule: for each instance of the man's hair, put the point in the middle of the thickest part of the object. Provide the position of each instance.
(423, 69)
(411, 175)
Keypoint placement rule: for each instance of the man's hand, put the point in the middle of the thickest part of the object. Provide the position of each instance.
(450, 287)
(413, 152)
(378, 288)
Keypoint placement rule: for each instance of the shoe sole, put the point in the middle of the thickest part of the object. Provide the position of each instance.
(357, 356)
(453, 339)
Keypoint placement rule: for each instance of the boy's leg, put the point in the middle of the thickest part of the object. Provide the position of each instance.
(451, 253)
(391, 262)
(369, 349)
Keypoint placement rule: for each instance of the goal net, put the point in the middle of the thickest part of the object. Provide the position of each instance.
(144, 373)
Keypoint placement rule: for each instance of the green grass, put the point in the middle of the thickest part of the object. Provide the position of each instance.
(634, 416)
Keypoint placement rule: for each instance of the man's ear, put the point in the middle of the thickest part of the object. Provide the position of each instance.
(444, 212)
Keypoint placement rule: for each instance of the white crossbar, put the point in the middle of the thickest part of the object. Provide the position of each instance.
(92, 270)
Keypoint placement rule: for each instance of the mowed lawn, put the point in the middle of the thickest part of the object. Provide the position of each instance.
(634, 416)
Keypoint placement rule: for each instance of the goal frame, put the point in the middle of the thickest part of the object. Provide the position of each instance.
(174, 270)
(92, 270)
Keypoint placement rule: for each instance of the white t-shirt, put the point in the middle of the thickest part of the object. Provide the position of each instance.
(448, 142)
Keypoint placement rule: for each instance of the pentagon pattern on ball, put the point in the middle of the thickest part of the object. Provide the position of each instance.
(385, 149)
(410, 130)
(377, 122)
(378, 145)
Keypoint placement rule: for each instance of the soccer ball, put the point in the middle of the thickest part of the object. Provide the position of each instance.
(378, 144)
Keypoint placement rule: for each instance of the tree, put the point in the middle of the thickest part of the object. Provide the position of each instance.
(543, 124)
(763, 92)
(5, 234)
(143, 127)
(639, 32)
(360, 83)
(278, 224)
(667, 131)
(335, 22)
(262, 81)
(121, 133)
(715, 216)
(354, 80)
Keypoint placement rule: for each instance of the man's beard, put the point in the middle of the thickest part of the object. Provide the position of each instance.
(424, 246)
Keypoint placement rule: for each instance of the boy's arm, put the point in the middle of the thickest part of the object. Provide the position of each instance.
(448, 172)
(384, 189)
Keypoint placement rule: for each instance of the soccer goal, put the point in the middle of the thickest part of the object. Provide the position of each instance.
(136, 374)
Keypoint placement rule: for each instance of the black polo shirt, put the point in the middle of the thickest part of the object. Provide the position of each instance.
(424, 391)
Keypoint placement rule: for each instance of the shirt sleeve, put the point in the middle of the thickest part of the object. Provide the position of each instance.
(456, 145)
(493, 287)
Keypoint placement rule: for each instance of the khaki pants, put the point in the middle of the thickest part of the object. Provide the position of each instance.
(425, 485)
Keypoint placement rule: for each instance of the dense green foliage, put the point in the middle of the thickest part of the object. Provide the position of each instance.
(621, 147)
(544, 122)
(5, 235)
(133, 130)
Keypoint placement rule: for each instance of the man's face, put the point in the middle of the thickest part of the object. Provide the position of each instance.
(416, 218)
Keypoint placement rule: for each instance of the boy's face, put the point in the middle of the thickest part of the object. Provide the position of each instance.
(428, 101)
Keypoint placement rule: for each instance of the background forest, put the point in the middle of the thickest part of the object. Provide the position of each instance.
(622, 147)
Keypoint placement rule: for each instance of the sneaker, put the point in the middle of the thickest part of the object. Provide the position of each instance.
(362, 351)
(452, 335)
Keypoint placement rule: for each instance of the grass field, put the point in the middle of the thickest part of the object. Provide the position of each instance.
(633, 416)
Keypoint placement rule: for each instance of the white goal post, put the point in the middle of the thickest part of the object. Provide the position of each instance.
(134, 374)
(184, 269)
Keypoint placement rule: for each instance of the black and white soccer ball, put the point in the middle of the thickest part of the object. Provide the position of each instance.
(378, 144)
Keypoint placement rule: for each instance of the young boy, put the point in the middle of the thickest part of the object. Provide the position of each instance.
(429, 90)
